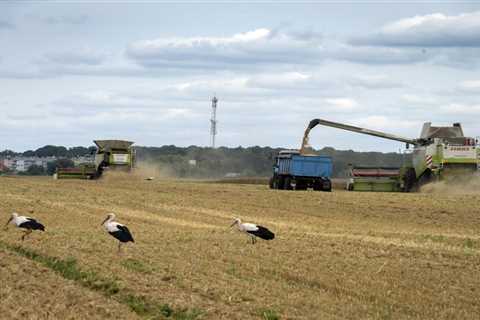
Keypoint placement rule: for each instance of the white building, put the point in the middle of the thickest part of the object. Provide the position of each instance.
(21, 164)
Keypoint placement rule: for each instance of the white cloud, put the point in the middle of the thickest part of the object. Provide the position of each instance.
(82, 56)
(459, 109)
(74, 20)
(418, 99)
(68, 63)
(260, 46)
(344, 104)
(280, 80)
(432, 30)
(374, 82)
(276, 79)
(386, 124)
(470, 86)
(6, 25)
(92, 102)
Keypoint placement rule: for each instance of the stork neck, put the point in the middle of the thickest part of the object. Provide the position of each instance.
(109, 220)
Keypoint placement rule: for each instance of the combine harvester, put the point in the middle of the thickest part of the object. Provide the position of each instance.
(111, 154)
(441, 153)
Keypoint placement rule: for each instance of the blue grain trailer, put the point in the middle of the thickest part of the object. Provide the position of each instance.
(293, 171)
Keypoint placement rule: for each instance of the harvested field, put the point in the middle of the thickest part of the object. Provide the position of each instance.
(337, 255)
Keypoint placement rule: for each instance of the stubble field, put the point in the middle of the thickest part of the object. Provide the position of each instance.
(337, 255)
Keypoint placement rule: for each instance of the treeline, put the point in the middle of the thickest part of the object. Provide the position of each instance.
(205, 162)
(51, 151)
(251, 161)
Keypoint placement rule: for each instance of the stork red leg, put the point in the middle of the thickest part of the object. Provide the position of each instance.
(26, 233)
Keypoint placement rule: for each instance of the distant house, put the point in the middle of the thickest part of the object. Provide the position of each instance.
(232, 175)
(9, 163)
(83, 159)
(22, 164)
(3, 168)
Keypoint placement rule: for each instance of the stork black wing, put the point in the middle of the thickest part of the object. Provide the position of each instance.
(263, 233)
(123, 234)
(32, 224)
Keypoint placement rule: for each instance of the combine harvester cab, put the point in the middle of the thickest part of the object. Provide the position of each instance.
(293, 171)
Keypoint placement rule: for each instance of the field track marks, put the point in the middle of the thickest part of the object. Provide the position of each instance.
(108, 288)
(146, 215)
(47, 295)
(407, 243)
(134, 213)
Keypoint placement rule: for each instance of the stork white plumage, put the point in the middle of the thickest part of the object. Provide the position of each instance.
(117, 230)
(27, 223)
(253, 230)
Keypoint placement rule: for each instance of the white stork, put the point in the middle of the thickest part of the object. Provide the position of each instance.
(27, 223)
(253, 230)
(117, 230)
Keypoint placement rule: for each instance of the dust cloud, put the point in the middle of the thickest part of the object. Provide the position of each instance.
(458, 185)
(146, 169)
(143, 170)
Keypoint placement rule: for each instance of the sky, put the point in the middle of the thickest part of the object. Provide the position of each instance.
(72, 72)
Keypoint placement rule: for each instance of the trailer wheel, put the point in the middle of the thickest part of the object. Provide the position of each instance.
(271, 183)
(280, 183)
(288, 184)
(301, 185)
(327, 185)
(276, 183)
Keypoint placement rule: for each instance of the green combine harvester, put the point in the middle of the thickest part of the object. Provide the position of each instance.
(441, 153)
(110, 154)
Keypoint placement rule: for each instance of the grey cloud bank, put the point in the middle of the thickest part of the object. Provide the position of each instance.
(6, 25)
(432, 30)
(73, 75)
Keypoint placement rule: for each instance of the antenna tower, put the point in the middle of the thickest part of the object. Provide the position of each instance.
(213, 121)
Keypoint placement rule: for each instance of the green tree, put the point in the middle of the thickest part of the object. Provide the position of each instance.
(35, 170)
(61, 163)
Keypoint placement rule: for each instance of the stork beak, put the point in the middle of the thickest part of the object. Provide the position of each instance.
(234, 223)
(6, 225)
(104, 221)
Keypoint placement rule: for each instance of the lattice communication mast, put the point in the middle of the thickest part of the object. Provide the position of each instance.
(213, 121)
